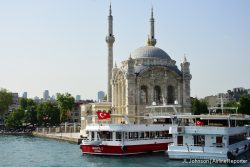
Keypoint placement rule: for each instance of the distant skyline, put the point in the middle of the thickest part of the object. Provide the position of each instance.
(60, 45)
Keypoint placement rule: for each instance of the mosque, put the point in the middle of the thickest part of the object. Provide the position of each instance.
(149, 75)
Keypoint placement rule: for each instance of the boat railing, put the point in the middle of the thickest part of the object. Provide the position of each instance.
(200, 145)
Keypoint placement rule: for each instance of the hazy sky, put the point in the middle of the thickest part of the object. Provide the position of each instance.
(60, 45)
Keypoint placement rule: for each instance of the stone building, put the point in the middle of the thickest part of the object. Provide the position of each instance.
(148, 75)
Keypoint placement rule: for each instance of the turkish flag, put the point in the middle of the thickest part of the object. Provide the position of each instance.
(102, 115)
(199, 123)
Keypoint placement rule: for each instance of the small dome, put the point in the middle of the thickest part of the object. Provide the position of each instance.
(149, 52)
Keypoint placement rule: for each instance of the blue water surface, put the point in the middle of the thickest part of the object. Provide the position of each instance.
(28, 151)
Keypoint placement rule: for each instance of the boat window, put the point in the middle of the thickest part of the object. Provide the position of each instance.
(157, 134)
(141, 134)
(166, 134)
(136, 135)
(199, 140)
(133, 135)
(92, 135)
(118, 136)
(105, 135)
(152, 134)
(146, 134)
(179, 140)
(218, 141)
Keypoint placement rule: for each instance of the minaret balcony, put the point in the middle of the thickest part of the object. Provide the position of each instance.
(110, 39)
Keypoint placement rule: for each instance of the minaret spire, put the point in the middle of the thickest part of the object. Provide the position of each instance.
(110, 39)
(151, 38)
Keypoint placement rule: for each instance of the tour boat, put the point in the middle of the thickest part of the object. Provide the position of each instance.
(212, 136)
(124, 139)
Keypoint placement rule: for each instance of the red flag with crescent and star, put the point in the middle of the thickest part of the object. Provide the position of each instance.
(102, 114)
(199, 123)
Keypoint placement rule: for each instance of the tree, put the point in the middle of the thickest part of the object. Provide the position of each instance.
(65, 104)
(48, 114)
(26, 103)
(244, 107)
(15, 118)
(199, 106)
(5, 101)
(29, 106)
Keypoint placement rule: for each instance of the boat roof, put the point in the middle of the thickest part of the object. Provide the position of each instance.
(215, 117)
(127, 127)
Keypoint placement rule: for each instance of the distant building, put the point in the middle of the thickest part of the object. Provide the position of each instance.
(52, 98)
(46, 95)
(248, 91)
(100, 96)
(238, 90)
(211, 101)
(15, 103)
(78, 98)
(76, 111)
(25, 95)
(36, 99)
(214, 101)
(222, 97)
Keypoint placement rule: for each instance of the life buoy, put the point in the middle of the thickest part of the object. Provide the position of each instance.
(124, 148)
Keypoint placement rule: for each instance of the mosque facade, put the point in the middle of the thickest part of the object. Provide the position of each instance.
(149, 76)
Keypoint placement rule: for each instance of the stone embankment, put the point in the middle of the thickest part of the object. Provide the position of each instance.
(71, 135)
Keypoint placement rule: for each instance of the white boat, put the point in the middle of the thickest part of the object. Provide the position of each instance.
(124, 139)
(217, 136)
(130, 138)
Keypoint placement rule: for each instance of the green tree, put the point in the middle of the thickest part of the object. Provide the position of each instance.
(65, 104)
(5, 101)
(15, 118)
(30, 116)
(199, 106)
(25, 103)
(48, 114)
(244, 106)
(29, 106)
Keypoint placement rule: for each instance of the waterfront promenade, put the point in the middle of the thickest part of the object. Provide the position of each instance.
(71, 137)
(67, 133)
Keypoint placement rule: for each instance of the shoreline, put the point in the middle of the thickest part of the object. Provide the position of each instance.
(70, 137)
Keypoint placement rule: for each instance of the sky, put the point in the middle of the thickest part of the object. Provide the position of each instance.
(59, 45)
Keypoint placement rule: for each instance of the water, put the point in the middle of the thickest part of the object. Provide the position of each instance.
(27, 151)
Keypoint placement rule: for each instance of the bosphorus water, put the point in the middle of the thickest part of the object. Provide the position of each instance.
(28, 151)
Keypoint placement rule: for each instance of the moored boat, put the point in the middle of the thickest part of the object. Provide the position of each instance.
(219, 137)
(124, 139)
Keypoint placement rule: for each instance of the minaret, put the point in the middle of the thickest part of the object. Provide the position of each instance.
(110, 39)
(151, 37)
(186, 77)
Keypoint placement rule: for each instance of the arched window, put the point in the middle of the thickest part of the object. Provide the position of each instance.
(144, 95)
(170, 97)
(157, 94)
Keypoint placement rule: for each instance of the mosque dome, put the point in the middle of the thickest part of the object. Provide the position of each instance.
(149, 52)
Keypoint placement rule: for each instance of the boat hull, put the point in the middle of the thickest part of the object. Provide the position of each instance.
(123, 150)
